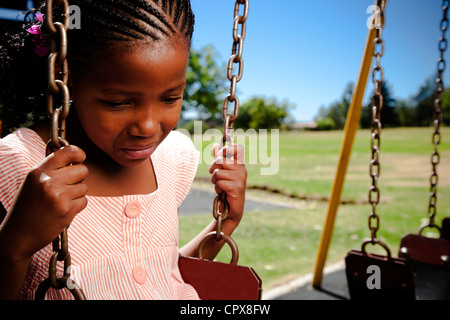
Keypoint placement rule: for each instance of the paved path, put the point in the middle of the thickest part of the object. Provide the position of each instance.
(334, 287)
(200, 201)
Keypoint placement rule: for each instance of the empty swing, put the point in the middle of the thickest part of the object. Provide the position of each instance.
(422, 269)
(375, 276)
(431, 256)
(212, 280)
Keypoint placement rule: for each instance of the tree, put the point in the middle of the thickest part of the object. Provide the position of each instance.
(206, 84)
(425, 102)
(446, 108)
(419, 109)
(389, 116)
(326, 123)
(262, 113)
(333, 116)
(406, 112)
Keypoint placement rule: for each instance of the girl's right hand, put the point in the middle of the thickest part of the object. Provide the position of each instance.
(47, 201)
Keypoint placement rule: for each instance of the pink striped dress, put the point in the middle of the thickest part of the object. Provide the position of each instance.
(121, 247)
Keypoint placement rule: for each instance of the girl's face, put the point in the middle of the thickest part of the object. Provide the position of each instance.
(130, 102)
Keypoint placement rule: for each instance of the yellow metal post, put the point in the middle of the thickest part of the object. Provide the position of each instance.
(351, 126)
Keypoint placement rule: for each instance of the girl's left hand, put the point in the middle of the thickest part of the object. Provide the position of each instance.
(229, 175)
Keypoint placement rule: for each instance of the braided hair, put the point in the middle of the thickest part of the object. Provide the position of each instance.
(106, 26)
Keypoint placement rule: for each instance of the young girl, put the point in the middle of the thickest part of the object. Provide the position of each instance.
(129, 170)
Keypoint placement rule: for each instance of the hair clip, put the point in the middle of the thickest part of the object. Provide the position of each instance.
(40, 43)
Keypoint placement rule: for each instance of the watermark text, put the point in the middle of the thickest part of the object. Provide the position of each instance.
(262, 146)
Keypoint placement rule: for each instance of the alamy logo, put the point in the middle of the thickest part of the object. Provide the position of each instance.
(374, 21)
(263, 147)
(75, 17)
(374, 280)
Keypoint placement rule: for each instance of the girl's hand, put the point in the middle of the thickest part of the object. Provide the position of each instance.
(229, 175)
(48, 200)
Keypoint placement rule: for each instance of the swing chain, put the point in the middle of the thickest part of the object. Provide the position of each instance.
(437, 119)
(239, 30)
(58, 89)
(221, 207)
(377, 105)
(236, 58)
(57, 74)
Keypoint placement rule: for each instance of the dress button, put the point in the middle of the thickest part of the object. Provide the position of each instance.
(133, 209)
(139, 275)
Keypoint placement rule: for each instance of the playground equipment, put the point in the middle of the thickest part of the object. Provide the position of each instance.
(420, 258)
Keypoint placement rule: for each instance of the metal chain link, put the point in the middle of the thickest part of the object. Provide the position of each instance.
(377, 105)
(437, 119)
(220, 206)
(58, 91)
(235, 59)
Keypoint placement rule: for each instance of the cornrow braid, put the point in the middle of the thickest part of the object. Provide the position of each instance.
(105, 22)
(105, 25)
(181, 17)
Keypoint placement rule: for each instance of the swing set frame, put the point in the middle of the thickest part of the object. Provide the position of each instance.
(350, 129)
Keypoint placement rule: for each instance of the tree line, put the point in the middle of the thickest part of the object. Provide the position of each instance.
(415, 111)
(207, 86)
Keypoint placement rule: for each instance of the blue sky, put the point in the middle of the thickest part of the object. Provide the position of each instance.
(307, 51)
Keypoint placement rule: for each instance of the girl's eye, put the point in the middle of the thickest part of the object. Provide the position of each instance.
(171, 100)
(117, 104)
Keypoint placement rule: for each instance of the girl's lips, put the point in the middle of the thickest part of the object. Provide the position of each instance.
(139, 153)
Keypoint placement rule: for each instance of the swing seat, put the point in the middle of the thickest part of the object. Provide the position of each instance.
(430, 260)
(423, 250)
(220, 281)
(396, 277)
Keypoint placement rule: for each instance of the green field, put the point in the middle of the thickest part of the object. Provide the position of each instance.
(281, 245)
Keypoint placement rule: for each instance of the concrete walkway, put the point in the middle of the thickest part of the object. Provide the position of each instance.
(334, 287)
(200, 201)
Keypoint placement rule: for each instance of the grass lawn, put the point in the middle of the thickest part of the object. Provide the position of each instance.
(282, 244)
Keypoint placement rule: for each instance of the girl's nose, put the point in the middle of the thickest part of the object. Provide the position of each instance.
(145, 123)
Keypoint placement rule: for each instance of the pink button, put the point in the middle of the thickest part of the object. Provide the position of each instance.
(139, 275)
(133, 209)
